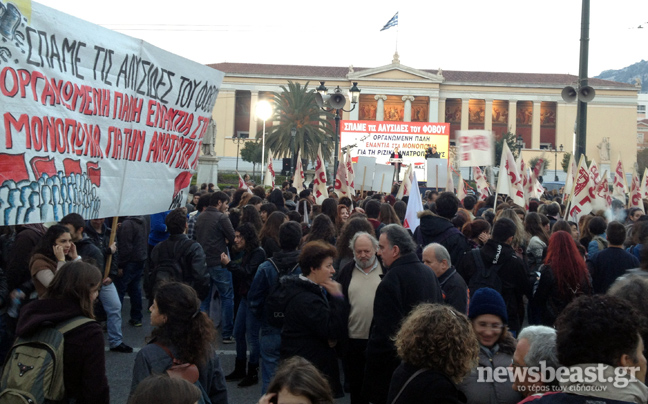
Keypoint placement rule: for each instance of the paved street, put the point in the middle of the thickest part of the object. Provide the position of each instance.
(119, 366)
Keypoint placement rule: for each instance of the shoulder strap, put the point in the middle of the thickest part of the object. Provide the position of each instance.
(168, 352)
(274, 265)
(418, 372)
(73, 323)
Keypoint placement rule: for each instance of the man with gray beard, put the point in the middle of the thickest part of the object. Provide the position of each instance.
(359, 280)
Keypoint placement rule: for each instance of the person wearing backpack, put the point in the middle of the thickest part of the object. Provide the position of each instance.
(282, 264)
(182, 334)
(68, 300)
(497, 266)
(179, 258)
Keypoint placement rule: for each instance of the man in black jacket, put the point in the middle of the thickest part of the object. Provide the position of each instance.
(407, 284)
(498, 253)
(455, 291)
(187, 253)
(133, 252)
(607, 265)
(108, 296)
(439, 229)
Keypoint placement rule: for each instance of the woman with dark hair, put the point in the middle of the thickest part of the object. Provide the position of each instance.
(438, 348)
(329, 208)
(583, 226)
(276, 197)
(487, 312)
(245, 324)
(53, 251)
(400, 208)
(597, 227)
(388, 215)
(256, 202)
(477, 232)
(345, 254)
(183, 334)
(269, 235)
(71, 294)
(561, 225)
(321, 229)
(249, 214)
(563, 277)
(341, 218)
(236, 198)
(315, 321)
(298, 381)
(538, 239)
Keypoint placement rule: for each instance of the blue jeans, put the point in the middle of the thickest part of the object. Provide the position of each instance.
(246, 329)
(221, 280)
(131, 282)
(112, 306)
(270, 343)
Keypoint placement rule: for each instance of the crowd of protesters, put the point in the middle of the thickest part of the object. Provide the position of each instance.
(340, 297)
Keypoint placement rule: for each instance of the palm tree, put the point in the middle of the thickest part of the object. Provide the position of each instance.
(295, 107)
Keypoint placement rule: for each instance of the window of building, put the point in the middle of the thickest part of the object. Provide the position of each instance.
(640, 137)
(641, 108)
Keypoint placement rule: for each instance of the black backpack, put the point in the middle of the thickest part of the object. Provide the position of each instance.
(484, 277)
(170, 266)
(277, 299)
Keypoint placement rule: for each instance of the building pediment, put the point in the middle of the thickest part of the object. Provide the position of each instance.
(396, 72)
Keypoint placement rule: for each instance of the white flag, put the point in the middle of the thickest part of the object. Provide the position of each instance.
(461, 188)
(581, 203)
(482, 184)
(569, 182)
(620, 186)
(341, 182)
(510, 181)
(449, 183)
(350, 172)
(644, 184)
(414, 206)
(298, 176)
(635, 193)
(269, 178)
(406, 185)
(319, 183)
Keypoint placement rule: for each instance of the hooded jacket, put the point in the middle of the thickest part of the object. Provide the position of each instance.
(191, 260)
(312, 319)
(437, 229)
(84, 366)
(515, 282)
(132, 241)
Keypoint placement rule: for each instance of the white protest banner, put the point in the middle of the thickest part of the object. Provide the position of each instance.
(583, 192)
(482, 184)
(94, 119)
(620, 186)
(644, 184)
(437, 172)
(383, 178)
(350, 173)
(319, 183)
(475, 148)
(414, 206)
(341, 179)
(379, 138)
(406, 185)
(364, 169)
(298, 175)
(635, 200)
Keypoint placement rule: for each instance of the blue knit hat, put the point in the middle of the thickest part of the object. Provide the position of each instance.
(487, 301)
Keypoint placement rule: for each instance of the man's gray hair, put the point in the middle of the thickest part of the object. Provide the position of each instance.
(373, 240)
(398, 236)
(542, 346)
(440, 252)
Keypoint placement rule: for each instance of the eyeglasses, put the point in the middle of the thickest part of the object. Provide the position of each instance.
(493, 326)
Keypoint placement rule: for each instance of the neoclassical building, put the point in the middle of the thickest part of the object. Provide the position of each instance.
(529, 105)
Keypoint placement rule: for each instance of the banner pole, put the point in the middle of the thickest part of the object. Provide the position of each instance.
(436, 168)
(113, 233)
(364, 173)
(382, 182)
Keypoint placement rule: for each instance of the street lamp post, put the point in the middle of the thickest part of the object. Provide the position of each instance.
(237, 141)
(263, 112)
(556, 161)
(335, 102)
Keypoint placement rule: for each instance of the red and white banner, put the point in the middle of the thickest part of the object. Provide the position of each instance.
(298, 176)
(635, 200)
(583, 193)
(620, 186)
(509, 181)
(91, 115)
(571, 178)
(350, 172)
(526, 180)
(406, 185)
(476, 148)
(341, 181)
(482, 184)
(242, 183)
(319, 183)
(269, 177)
(644, 184)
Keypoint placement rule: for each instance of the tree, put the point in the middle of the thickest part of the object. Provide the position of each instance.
(567, 157)
(510, 139)
(251, 152)
(295, 107)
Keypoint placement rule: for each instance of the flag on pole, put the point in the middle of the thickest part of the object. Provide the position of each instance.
(242, 183)
(603, 190)
(525, 179)
(620, 186)
(510, 181)
(569, 182)
(269, 178)
(635, 200)
(393, 22)
(414, 206)
(644, 184)
(406, 185)
(449, 183)
(482, 184)
(595, 174)
(319, 183)
(350, 173)
(298, 176)
(461, 188)
(341, 179)
(581, 203)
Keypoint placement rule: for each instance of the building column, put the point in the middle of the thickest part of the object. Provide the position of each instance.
(441, 111)
(380, 108)
(488, 115)
(253, 118)
(535, 126)
(433, 113)
(465, 114)
(512, 117)
(408, 107)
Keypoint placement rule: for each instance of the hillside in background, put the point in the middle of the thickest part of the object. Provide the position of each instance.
(629, 74)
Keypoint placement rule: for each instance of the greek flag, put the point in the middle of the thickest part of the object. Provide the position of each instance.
(391, 23)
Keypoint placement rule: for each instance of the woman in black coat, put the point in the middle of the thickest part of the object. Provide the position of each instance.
(315, 314)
